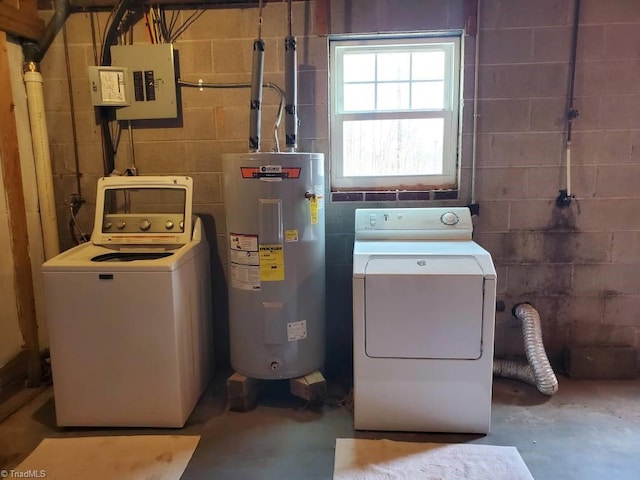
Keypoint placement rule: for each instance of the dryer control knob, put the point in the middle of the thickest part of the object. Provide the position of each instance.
(121, 224)
(145, 225)
(449, 218)
(107, 225)
(168, 224)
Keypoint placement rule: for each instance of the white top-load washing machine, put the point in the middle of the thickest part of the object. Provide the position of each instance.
(423, 315)
(129, 313)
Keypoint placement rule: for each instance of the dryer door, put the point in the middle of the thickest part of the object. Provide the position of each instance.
(423, 307)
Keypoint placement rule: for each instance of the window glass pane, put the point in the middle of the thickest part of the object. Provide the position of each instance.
(427, 95)
(359, 67)
(393, 66)
(393, 147)
(427, 66)
(359, 97)
(393, 96)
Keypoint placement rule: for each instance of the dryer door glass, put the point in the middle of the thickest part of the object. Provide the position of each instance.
(423, 307)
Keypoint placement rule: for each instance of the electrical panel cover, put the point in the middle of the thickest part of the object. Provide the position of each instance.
(150, 81)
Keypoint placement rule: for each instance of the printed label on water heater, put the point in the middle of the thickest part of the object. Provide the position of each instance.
(245, 277)
(244, 261)
(297, 330)
(291, 235)
(242, 257)
(271, 263)
(313, 210)
(242, 242)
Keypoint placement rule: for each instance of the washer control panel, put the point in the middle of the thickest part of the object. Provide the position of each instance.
(143, 223)
(452, 223)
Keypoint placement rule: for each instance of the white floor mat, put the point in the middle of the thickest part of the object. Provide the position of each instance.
(160, 457)
(389, 460)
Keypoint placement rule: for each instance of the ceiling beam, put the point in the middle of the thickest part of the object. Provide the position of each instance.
(21, 19)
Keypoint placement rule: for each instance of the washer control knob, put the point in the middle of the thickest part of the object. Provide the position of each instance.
(168, 224)
(181, 225)
(107, 225)
(372, 219)
(121, 224)
(449, 218)
(145, 225)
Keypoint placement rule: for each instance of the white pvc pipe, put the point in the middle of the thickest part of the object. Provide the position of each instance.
(42, 158)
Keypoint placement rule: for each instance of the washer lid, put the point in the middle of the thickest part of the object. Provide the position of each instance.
(424, 307)
(143, 210)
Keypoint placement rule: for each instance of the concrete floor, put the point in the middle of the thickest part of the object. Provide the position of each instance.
(588, 430)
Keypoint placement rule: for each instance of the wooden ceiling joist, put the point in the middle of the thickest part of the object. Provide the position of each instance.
(21, 19)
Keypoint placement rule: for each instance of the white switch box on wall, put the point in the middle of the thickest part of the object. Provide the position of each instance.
(108, 86)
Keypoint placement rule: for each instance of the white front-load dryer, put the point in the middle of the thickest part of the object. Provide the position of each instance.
(424, 309)
(129, 313)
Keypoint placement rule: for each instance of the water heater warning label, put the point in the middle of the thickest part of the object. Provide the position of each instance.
(244, 261)
(241, 242)
(313, 210)
(271, 263)
(245, 277)
(297, 330)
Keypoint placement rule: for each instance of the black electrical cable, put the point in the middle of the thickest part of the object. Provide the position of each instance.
(572, 113)
(107, 115)
(174, 20)
(186, 24)
(163, 25)
(111, 33)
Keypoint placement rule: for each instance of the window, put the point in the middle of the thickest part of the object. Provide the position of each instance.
(395, 112)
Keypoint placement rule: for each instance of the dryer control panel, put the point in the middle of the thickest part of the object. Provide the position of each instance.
(441, 223)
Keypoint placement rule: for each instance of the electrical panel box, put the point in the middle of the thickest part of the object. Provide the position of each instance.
(150, 78)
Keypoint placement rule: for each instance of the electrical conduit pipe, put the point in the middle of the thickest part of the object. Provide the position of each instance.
(538, 371)
(42, 157)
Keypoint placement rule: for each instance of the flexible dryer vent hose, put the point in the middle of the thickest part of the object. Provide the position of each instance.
(538, 371)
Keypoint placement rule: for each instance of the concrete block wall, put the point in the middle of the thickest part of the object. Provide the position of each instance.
(578, 265)
(217, 48)
(560, 260)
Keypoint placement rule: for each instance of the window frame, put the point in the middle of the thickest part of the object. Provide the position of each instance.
(451, 113)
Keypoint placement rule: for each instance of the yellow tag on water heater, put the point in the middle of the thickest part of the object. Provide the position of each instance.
(313, 209)
(291, 235)
(271, 263)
